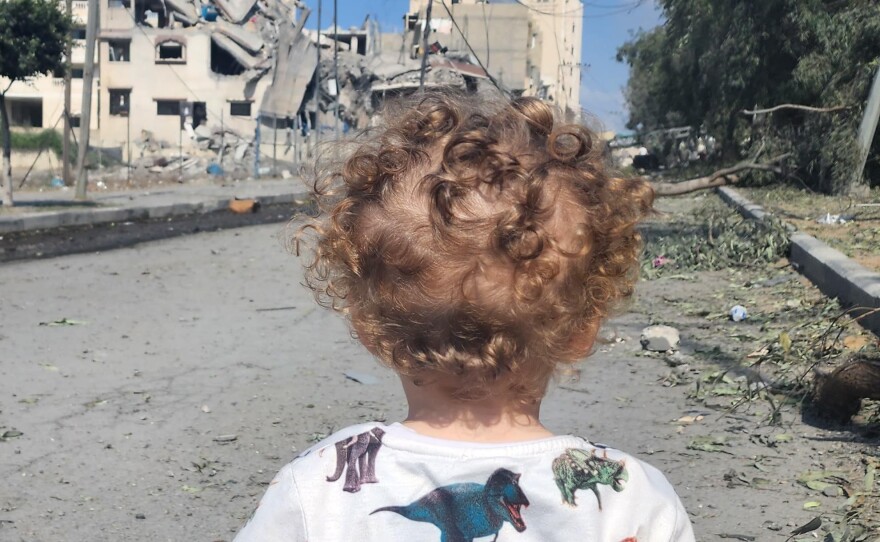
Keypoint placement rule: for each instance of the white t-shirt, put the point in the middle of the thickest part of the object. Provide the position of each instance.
(375, 482)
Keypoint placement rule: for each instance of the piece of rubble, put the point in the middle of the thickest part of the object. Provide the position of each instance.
(676, 359)
(235, 10)
(660, 338)
(242, 206)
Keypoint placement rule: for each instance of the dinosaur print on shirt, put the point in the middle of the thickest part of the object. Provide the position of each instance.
(578, 469)
(467, 511)
(358, 455)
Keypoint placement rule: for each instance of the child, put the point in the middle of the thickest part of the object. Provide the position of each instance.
(475, 248)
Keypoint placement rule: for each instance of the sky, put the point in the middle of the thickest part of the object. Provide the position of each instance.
(607, 24)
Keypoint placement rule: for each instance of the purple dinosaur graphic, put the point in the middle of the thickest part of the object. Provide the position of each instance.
(358, 454)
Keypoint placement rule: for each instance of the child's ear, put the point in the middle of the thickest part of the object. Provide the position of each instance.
(583, 341)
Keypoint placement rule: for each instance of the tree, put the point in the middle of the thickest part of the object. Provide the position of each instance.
(32, 38)
(712, 59)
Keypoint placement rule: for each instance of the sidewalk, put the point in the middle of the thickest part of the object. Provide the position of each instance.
(57, 208)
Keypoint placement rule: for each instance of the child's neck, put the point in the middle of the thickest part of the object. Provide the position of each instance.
(496, 419)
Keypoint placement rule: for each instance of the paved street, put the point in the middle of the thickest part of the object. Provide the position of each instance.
(158, 388)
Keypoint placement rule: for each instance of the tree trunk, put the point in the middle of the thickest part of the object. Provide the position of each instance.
(728, 149)
(6, 174)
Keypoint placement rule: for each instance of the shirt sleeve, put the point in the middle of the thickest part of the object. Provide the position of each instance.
(279, 516)
(682, 531)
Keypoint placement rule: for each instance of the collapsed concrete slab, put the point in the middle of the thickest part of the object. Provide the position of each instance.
(243, 57)
(235, 11)
(295, 64)
(184, 10)
(250, 41)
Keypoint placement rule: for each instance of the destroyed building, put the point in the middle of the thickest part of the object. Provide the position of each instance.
(180, 73)
(224, 81)
(532, 47)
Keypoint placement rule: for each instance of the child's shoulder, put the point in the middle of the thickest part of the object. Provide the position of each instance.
(347, 436)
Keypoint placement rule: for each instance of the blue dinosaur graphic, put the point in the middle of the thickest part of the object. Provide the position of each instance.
(466, 511)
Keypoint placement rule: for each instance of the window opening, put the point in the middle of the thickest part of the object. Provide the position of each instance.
(240, 109)
(120, 102)
(25, 112)
(170, 52)
(120, 50)
(166, 108)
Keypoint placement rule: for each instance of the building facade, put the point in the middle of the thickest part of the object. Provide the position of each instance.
(531, 47)
(163, 69)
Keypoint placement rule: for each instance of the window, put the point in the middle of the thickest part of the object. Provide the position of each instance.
(120, 101)
(170, 52)
(76, 72)
(168, 108)
(120, 50)
(78, 33)
(240, 109)
(74, 121)
(25, 112)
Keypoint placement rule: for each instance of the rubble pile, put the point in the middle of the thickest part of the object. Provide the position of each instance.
(267, 39)
(364, 81)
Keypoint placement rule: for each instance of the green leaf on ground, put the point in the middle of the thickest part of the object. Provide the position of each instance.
(709, 443)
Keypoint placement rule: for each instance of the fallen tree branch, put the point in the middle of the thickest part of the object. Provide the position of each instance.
(721, 177)
(796, 106)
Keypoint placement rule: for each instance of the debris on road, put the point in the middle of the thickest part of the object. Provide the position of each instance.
(361, 378)
(660, 338)
(242, 206)
(738, 313)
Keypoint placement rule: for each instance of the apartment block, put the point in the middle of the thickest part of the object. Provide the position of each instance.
(531, 47)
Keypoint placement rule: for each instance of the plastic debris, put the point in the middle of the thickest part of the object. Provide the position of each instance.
(833, 219)
(738, 313)
(659, 261)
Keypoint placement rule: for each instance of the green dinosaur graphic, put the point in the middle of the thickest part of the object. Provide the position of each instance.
(578, 469)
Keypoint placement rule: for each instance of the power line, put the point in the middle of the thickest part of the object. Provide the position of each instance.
(579, 12)
(476, 56)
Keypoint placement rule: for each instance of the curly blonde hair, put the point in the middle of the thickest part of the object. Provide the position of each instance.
(474, 240)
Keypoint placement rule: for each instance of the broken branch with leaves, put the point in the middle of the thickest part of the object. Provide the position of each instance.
(721, 177)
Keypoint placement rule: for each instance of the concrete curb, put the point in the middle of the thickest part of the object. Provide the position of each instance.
(835, 274)
(105, 215)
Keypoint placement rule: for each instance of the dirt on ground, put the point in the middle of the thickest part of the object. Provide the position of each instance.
(851, 225)
(151, 392)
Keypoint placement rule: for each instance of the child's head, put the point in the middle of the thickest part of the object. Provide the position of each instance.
(479, 241)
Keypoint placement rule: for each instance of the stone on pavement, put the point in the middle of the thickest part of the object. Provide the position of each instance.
(660, 338)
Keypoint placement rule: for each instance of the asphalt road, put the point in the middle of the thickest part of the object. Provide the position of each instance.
(158, 388)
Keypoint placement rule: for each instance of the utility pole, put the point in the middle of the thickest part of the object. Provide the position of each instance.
(86, 114)
(866, 134)
(317, 126)
(65, 153)
(336, 71)
(425, 35)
